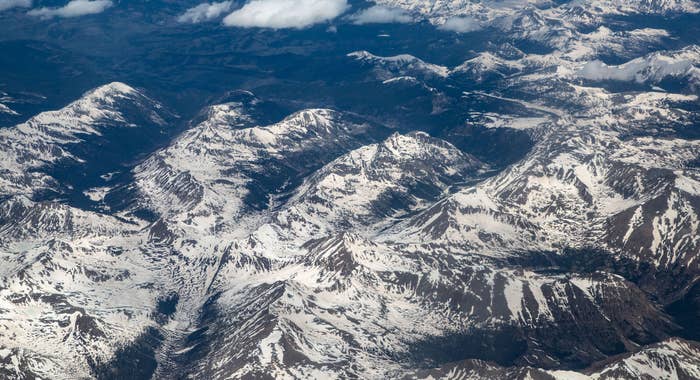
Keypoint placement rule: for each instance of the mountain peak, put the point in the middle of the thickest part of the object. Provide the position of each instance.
(400, 65)
(111, 90)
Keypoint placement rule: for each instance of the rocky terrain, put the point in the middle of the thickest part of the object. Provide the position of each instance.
(332, 244)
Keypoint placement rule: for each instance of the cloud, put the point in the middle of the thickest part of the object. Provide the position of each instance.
(461, 24)
(205, 12)
(7, 4)
(74, 8)
(278, 14)
(380, 14)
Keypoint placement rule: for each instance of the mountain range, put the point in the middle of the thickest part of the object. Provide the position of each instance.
(552, 233)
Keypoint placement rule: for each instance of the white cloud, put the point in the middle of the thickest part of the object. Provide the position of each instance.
(205, 12)
(461, 24)
(7, 4)
(380, 14)
(74, 8)
(278, 14)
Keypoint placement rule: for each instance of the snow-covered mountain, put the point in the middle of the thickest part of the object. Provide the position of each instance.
(400, 65)
(32, 149)
(652, 68)
(356, 240)
(333, 244)
(588, 11)
(673, 358)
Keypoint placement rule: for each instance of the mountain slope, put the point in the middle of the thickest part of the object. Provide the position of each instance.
(324, 244)
(33, 149)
